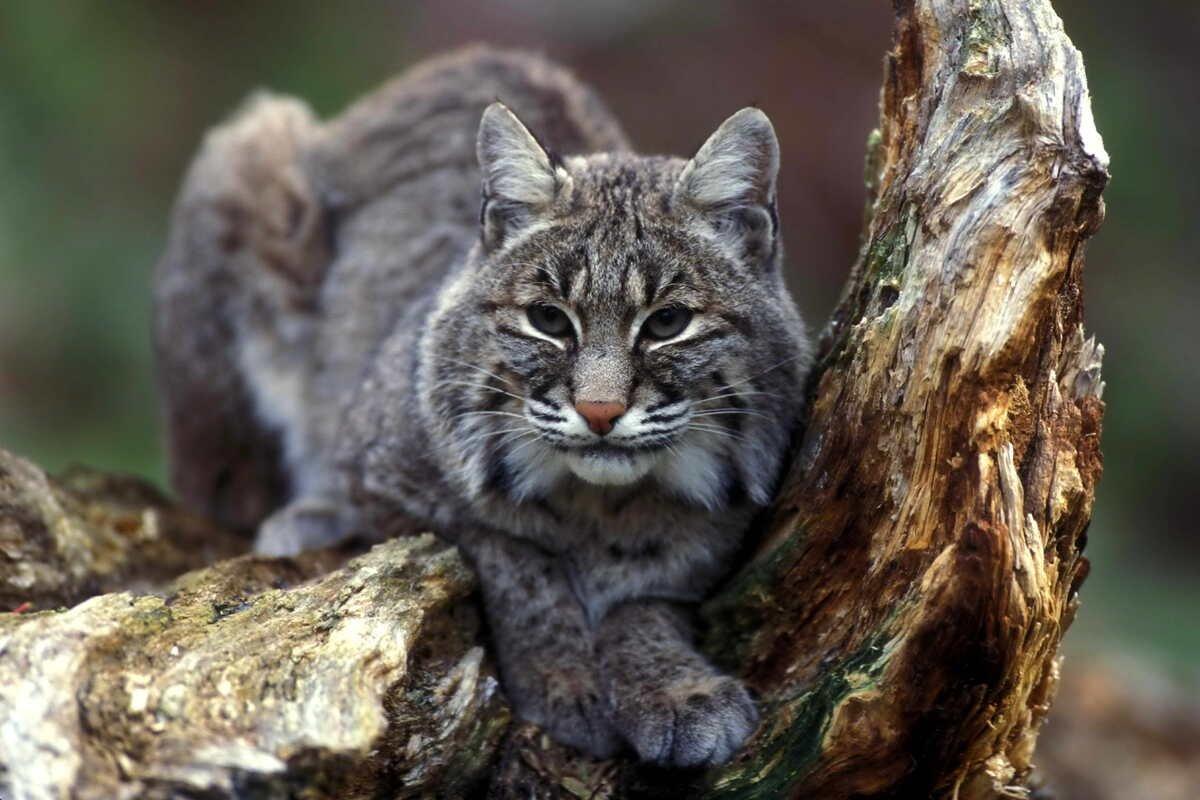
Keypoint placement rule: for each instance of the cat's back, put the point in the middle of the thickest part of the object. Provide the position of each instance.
(399, 167)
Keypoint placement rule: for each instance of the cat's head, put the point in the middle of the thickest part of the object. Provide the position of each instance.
(623, 319)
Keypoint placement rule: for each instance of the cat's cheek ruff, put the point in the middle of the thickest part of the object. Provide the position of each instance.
(533, 470)
(761, 466)
(696, 473)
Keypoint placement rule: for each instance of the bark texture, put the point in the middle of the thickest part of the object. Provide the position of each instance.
(64, 539)
(256, 678)
(923, 563)
(901, 620)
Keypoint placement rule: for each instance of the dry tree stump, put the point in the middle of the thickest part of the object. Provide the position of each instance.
(925, 554)
(900, 621)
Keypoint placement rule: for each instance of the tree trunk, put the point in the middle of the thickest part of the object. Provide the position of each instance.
(923, 562)
(900, 622)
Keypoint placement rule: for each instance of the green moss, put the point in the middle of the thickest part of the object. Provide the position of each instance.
(881, 270)
(792, 746)
(986, 32)
(470, 762)
(152, 616)
(887, 257)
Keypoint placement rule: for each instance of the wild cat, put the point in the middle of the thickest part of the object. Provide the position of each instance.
(587, 380)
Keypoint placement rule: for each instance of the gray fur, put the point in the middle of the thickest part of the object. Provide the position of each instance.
(373, 323)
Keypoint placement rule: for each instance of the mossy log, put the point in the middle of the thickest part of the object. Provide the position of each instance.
(900, 621)
(256, 678)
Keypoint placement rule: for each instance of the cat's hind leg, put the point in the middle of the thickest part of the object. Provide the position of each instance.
(246, 252)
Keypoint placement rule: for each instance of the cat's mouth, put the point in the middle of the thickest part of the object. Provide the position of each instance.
(615, 449)
(604, 450)
(607, 464)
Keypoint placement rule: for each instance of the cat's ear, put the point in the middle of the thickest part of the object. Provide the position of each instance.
(521, 179)
(731, 181)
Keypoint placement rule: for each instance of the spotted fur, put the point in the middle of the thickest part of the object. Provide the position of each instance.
(426, 388)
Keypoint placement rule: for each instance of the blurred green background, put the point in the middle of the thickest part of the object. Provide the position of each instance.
(103, 103)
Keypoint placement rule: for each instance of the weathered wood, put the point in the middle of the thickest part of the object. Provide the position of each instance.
(256, 677)
(904, 618)
(67, 538)
(900, 622)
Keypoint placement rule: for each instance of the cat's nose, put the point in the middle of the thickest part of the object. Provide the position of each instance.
(600, 416)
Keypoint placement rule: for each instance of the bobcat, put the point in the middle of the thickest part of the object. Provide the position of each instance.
(587, 381)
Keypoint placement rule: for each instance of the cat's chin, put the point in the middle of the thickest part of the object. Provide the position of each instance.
(610, 468)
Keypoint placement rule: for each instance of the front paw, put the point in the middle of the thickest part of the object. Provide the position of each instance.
(700, 720)
(567, 703)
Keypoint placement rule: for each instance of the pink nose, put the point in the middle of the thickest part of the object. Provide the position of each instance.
(600, 416)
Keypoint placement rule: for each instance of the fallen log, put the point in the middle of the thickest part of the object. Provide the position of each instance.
(85, 532)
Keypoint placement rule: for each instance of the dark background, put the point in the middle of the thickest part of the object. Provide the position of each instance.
(103, 104)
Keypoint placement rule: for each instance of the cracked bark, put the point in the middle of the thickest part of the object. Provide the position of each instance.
(900, 621)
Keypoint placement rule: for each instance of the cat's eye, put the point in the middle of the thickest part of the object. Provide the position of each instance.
(550, 320)
(667, 323)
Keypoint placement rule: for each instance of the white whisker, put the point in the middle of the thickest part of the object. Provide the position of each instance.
(484, 386)
(747, 393)
(764, 372)
(474, 367)
(489, 434)
(489, 414)
(523, 445)
(730, 412)
(717, 430)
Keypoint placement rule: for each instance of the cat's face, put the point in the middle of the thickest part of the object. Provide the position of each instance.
(628, 321)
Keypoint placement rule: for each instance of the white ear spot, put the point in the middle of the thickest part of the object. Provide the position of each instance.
(737, 166)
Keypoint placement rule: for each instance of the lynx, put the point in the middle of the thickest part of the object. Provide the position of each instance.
(577, 364)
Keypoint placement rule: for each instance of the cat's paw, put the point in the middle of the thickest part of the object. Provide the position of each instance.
(300, 526)
(571, 708)
(701, 720)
